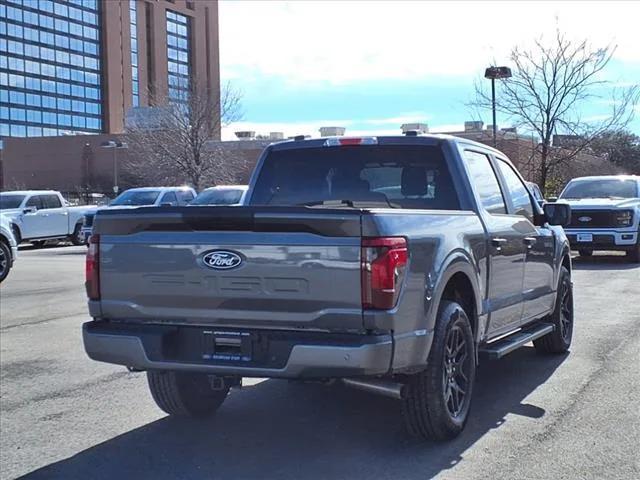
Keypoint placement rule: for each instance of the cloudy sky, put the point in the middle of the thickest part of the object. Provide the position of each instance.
(373, 65)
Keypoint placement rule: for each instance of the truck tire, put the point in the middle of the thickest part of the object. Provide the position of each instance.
(559, 340)
(438, 398)
(75, 237)
(185, 393)
(5, 260)
(585, 253)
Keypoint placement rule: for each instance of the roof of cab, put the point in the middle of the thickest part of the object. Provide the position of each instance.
(426, 138)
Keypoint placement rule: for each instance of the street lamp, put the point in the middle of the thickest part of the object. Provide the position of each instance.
(494, 73)
(114, 145)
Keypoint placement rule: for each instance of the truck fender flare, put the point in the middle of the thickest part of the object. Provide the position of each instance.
(456, 262)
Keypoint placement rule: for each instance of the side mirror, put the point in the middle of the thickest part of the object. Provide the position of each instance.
(552, 199)
(29, 210)
(557, 213)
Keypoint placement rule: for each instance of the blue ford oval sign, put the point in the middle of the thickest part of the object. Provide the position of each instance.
(221, 259)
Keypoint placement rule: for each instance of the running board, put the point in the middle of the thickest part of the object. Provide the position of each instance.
(506, 345)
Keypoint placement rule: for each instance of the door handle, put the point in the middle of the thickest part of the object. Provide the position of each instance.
(497, 242)
(529, 241)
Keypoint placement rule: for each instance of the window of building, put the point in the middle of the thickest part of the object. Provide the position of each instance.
(178, 53)
(42, 39)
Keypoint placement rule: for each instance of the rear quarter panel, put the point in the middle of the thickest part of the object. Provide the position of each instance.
(441, 243)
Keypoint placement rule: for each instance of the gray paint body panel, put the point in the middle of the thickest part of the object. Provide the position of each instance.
(301, 271)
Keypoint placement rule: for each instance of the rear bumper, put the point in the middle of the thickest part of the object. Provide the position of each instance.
(277, 354)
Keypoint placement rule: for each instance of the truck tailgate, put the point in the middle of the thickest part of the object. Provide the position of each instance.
(263, 267)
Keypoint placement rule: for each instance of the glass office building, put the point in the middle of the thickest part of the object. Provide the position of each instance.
(49, 67)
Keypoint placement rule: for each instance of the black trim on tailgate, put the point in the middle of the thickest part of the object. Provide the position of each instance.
(325, 222)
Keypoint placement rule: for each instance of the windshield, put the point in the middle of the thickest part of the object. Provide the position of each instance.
(600, 189)
(218, 197)
(406, 176)
(10, 201)
(136, 197)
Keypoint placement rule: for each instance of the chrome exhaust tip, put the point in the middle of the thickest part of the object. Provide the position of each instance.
(386, 388)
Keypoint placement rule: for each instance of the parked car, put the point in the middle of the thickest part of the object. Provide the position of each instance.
(605, 214)
(322, 276)
(221, 195)
(536, 192)
(8, 246)
(139, 197)
(37, 216)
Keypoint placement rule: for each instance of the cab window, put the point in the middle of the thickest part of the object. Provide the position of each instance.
(51, 201)
(35, 201)
(485, 182)
(517, 190)
(169, 197)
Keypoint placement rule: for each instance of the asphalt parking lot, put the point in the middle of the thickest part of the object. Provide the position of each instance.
(63, 416)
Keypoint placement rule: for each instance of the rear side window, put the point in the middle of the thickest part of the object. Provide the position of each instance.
(51, 201)
(517, 190)
(401, 176)
(184, 196)
(35, 201)
(169, 197)
(485, 181)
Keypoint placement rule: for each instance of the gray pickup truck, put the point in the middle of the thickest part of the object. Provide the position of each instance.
(390, 264)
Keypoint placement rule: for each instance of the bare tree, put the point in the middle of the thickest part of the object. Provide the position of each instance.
(173, 142)
(550, 83)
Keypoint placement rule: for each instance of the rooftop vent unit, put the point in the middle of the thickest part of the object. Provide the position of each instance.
(473, 126)
(332, 131)
(414, 127)
(246, 135)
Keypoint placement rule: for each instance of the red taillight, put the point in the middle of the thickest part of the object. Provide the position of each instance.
(383, 264)
(92, 268)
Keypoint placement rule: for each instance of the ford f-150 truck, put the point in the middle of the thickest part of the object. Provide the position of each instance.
(605, 214)
(390, 264)
(40, 215)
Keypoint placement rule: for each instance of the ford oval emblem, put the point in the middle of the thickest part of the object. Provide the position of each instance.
(221, 259)
(585, 219)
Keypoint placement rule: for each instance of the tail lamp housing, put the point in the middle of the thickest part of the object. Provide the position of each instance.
(92, 268)
(384, 260)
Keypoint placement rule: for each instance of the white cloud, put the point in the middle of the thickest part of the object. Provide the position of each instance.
(306, 42)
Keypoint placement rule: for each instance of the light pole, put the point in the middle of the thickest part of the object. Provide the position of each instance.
(494, 73)
(114, 145)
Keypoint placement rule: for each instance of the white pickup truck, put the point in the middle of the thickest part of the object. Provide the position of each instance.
(40, 215)
(605, 214)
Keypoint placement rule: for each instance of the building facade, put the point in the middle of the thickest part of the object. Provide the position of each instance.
(80, 66)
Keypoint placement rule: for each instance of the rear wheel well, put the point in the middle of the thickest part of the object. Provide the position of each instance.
(459, 289)
(16, 233)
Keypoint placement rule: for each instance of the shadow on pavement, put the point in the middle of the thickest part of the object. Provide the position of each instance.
(289, 431)
(603, 262)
